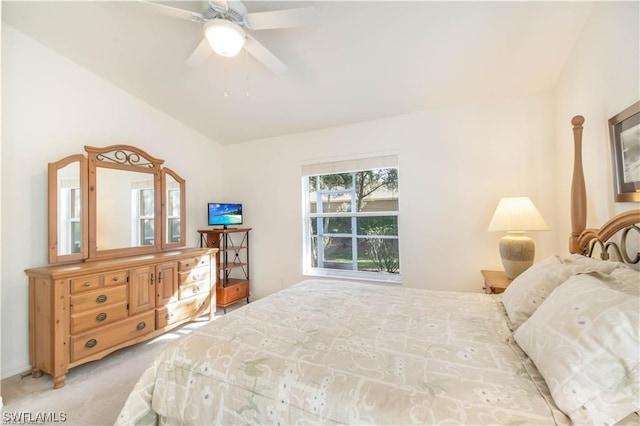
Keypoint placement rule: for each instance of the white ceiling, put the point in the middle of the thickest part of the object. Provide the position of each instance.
(364, 60)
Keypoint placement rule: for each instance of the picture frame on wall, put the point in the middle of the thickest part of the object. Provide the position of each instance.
(624, 132)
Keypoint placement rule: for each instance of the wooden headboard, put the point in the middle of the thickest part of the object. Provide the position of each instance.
(583, 240)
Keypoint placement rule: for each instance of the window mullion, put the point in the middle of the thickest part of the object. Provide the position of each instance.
(354, 236)
(319, 225)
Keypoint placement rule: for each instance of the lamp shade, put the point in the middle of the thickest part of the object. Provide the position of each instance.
(517, 214)
(226, 38)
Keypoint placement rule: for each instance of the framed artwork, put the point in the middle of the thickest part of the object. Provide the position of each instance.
(624, 131)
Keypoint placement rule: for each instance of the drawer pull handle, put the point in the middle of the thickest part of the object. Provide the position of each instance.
(196, 277)
(87, 284)
(91, 343)
(196, 289)
(101, 317)
(114, 279)
(168, 316)
(101, 299)
(141, 325)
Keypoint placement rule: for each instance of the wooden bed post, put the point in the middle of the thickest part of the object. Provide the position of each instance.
(578, 191)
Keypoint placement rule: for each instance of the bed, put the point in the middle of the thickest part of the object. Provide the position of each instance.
(338, 352)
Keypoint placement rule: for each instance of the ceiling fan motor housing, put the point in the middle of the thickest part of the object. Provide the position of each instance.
(233, 11)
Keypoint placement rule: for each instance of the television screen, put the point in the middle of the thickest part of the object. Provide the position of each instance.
(224, 214)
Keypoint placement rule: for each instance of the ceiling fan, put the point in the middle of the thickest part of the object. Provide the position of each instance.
(225, 23)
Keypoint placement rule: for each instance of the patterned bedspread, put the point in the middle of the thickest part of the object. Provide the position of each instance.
(346, 353)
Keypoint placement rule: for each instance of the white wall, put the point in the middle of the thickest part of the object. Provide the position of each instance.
(601, 78)
(53, 108)
(454, 165)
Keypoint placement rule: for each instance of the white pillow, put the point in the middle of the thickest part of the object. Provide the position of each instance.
(585, 341)
(529, 289)
(625, 279)
(587, 264)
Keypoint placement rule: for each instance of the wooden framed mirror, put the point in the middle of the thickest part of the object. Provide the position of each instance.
(124, 201)
(116, 201)
(68, 201)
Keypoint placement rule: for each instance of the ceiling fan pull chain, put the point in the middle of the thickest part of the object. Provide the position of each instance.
(246, 57)
(226, 81)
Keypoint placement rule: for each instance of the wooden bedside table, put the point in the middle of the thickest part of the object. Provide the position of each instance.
(495, 281)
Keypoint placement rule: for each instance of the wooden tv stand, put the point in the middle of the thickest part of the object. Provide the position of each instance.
(232, 279)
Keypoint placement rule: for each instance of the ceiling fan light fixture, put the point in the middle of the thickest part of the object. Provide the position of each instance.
(226, 38)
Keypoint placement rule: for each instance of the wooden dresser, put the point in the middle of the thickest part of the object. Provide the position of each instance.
(80, 312)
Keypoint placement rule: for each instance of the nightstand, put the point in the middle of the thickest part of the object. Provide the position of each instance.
(495, 281)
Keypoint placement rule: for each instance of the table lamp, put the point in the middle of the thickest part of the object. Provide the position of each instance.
(515, 215)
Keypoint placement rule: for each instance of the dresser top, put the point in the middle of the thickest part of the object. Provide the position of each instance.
(96, 266)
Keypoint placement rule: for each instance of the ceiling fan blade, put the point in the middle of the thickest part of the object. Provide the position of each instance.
(263, 55)
(282, 18)
(174, 11)
(200, 54)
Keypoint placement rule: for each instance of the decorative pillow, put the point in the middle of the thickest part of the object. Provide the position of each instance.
(585, 341)
(527, 291)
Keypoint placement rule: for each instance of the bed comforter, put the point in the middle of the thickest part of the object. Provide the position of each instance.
(346, 353)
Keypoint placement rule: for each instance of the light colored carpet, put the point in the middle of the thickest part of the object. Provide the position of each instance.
(93, 393)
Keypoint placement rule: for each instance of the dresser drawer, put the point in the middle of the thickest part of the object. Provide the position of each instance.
(188, 264)
(103, 338)
(98, 298)
(195, 275)
(98, 317)
(93, 282)
(190, 290)
(85, 284)
(184, 309)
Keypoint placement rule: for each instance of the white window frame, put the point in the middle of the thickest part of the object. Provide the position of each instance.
(335, 167)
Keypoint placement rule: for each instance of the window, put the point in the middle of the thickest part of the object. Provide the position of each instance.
(351, 219)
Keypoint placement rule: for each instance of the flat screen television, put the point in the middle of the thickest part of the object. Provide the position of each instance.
(224, 214)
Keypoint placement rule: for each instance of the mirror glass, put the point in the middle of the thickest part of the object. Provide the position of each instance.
(125, 209)
(67, 209)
